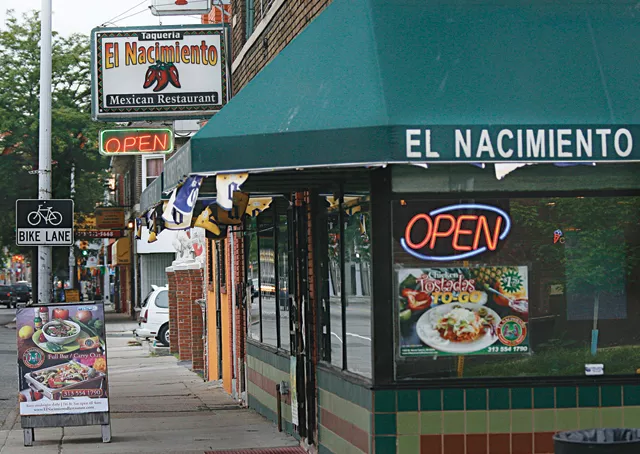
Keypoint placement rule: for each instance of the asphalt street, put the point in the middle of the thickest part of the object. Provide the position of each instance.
(8, 365)
(358, 333)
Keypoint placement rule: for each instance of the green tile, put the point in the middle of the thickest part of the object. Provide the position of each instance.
(566, 419)
(500, 422)
(430, 400)
(611, 417)
(409, 444)
(521, 398)
(522, 421)
(566, 397)
(631, 416)
(631, 395)
(476, 422)
(611, 396)
(589, 396)
(407, 400)
(543, 398)
(408, 423)
(385, 401)
(453, 399)
(385, 444)
(588, 418)
(544, 420)
(453, 422)
(476, 399)
(430, 422)
(385, 424)
(499, 399)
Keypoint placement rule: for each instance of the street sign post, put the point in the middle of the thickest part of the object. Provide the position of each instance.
(44, 222)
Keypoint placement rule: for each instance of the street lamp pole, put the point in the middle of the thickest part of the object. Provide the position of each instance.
(44, 160)
(72, 259)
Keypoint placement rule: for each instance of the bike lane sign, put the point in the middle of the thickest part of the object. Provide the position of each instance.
(44, 222)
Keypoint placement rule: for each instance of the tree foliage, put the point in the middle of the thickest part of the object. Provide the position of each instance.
(74, 134)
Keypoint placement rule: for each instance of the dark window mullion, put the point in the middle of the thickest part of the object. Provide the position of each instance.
(276, 271)
(259, 274)
(343, 294)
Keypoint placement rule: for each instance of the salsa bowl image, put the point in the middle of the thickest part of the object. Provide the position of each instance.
(61, 332)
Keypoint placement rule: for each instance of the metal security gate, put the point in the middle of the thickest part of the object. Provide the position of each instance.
(153, 271)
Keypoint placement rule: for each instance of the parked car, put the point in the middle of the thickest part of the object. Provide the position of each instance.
(154, 316)
(20, 293)
(5, 296)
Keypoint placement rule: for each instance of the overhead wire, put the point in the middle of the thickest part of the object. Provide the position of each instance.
(123, 13)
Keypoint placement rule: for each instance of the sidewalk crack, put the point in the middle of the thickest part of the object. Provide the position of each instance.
(60, 442)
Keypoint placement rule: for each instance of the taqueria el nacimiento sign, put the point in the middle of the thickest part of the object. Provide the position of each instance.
(480, 310)
(159, 72)
(522, 143)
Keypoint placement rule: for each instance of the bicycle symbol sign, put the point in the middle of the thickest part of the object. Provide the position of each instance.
(44, 222)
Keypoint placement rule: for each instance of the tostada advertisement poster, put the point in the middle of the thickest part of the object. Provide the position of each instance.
(62, 359)
(463, 311)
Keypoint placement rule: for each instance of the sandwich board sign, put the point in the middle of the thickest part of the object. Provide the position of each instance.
(44, 222)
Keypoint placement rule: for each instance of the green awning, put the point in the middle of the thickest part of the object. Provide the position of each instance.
(347, 89)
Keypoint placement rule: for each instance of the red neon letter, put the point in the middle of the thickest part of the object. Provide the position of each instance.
(117, 142)
(145, 141)
(407, 231)
(129, 142)
(483, 225)
(459, 231)
(436, 225)
(158, 144)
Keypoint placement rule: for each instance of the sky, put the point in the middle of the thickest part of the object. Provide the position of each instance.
(80, 16)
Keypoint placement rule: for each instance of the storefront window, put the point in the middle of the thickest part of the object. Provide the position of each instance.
(346, 278)
(253, 268)
(517, 287)
(268, 271)
(357, 284)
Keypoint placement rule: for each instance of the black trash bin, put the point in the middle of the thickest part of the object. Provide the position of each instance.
(598, 441)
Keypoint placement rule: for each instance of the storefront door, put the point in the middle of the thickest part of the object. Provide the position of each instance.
(301, 322)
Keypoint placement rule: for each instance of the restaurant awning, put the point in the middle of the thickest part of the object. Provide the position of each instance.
(368, 76)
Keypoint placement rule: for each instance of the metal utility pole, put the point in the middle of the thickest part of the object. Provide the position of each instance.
(106, 291)
(72, 259)
(44, 163)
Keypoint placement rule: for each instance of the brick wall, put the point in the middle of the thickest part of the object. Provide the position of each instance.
(173, 311)
(291, 19)
(240, 325)
(183, 296)
(196, 281)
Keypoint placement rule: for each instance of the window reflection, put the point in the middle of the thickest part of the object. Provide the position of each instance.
(253, 268)
(267, 277)
(283, 280)
(334, 283)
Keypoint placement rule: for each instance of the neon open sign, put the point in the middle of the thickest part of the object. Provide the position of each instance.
(464, 228)
(128, 141)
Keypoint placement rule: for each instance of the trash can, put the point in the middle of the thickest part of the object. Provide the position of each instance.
(598, 441)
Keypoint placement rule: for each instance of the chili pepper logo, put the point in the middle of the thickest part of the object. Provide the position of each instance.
(163, 74)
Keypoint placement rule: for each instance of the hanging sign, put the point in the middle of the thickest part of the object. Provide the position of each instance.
(179, 7)
(455, 232)
(463, 311)
(158, 72)
(132, 141)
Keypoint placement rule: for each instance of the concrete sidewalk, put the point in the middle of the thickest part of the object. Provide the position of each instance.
(157, 406)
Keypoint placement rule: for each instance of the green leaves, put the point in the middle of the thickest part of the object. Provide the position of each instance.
(74, 135)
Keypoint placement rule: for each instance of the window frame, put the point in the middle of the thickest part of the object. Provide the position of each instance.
(275, 225)
(146, 158)
(497, 381)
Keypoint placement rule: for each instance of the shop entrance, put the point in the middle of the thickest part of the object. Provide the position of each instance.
(302, 316)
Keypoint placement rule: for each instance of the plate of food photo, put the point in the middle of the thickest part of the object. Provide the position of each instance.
(458, 328)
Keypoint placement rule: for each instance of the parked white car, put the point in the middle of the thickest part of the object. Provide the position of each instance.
(154, 316)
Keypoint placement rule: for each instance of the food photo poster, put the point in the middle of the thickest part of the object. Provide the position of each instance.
(62, 359)
(480, 310)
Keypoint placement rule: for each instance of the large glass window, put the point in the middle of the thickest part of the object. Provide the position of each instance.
(268, 268)
(346, 290)
(516, 287)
